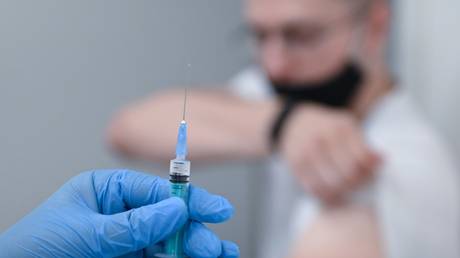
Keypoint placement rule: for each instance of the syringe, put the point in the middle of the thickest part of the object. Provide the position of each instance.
(179, 176)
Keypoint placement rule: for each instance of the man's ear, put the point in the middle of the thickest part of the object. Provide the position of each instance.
(379, 26)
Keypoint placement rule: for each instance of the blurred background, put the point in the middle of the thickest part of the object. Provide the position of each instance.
(67, 66)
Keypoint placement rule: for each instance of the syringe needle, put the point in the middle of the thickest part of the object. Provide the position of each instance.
(185, 104)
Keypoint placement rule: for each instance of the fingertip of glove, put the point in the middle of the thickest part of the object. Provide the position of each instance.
(223, 210)
(202, 242)
(206, 207)
(230, 250)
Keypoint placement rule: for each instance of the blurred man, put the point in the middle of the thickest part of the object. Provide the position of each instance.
(322, 107)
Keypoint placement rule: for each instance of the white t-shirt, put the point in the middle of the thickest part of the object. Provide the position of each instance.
(416, 195)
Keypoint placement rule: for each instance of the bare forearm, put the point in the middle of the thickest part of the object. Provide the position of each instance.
(222, 126)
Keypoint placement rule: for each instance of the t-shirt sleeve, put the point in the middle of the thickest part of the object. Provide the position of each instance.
(418, 192)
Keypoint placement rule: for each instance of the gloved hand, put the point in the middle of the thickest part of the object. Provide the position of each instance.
(114, 213)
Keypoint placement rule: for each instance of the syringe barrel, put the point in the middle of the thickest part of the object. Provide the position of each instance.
(174, 245)
(179, 176)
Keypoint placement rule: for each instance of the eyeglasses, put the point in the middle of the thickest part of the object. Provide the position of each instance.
(299, 38)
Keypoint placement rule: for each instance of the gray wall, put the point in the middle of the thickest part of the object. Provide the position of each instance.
(428, 54)
(67, 66)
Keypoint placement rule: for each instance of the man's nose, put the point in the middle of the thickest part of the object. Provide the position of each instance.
(275, 61)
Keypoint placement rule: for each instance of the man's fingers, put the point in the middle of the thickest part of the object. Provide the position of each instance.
(308, 181)
(366, 160)
(332, 167)
(352, 174)
(327, 175)
(303, 168)
(139, 228)
(342, 159)
(332, 183)
(209, 208)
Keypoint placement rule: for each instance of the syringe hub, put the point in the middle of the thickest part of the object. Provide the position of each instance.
(181, 146)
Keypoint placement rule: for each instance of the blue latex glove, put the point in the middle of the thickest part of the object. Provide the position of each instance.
(118, 213)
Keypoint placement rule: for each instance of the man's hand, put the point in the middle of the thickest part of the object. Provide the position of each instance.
(327, 151)
(114, 213)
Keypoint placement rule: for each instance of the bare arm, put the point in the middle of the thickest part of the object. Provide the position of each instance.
(324, 148)
(222, 126)
(345, 231)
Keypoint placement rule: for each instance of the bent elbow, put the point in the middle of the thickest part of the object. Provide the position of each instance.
(120, 131)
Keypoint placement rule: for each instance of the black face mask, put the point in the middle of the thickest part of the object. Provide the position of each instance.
(336, 92)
